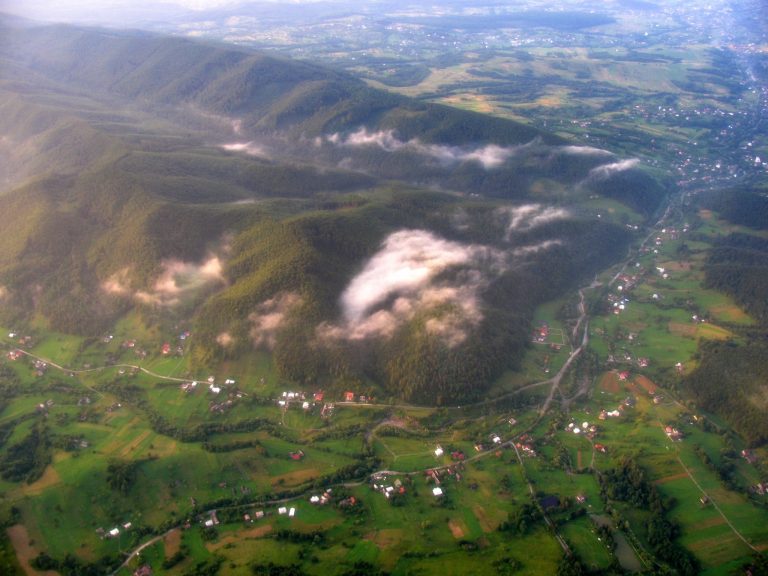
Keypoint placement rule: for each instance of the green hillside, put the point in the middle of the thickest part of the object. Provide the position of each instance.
(215, 186)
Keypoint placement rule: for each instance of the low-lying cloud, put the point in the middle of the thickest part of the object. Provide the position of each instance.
(269, 317)
(534, 248)
(181, 279)
(177, 281)
(225, 339)
(608, 170)
(488, 156)
(118, 284)
(250, 148)
(528, 216)
(585, 151)
(417, 271)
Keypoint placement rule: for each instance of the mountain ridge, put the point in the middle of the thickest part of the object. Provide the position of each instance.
(247, 195)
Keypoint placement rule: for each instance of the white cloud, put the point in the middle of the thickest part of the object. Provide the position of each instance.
(225, 340)
(488, 156)
(608, 170)
(249, 148)
(533, 248)
(118, 284)
(410, 275)
(384, 139)
(585, 151)
(269, 317)
(408, 261)
(528, 216)
(177, 280)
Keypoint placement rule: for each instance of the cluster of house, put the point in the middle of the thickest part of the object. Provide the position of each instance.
(629, 402)
(21, 340)
(15, 354)
(435, 474)
(618, 303)
(322, 499)
(673, 433)
(212, 384)
(40, 367)
(525, 445)
(627, 281)
(212, 520)
(289, 398)
(588, 430)
(114, 532)
(609, 414)
(167, 348)
(456, 455)
(541, 333)
(350, 397)
(380, 483)
(749, 456)
(258, 515)
(760, 489)
(130, 344)
(44, 406)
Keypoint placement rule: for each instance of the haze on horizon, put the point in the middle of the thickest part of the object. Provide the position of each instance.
(126, 12)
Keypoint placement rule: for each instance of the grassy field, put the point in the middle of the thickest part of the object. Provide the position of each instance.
(123, 417)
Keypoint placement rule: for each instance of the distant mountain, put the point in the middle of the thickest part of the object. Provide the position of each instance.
(355, 234)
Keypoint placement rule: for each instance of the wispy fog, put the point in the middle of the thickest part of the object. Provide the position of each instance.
(528, 216)
(585, 151)
(416, 271)
(534, 248)
(225, 340)
(250, 148)
(608, 170)
(269, 317)
(489, 156)
(177, 281)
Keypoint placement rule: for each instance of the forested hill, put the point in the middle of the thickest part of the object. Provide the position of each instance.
(731, 379)
(279, 108)
(267, 92)
(255, 198)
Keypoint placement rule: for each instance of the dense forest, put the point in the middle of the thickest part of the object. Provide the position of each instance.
(738, 266)
(245, 193)
(730, 379)
(746, 207)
